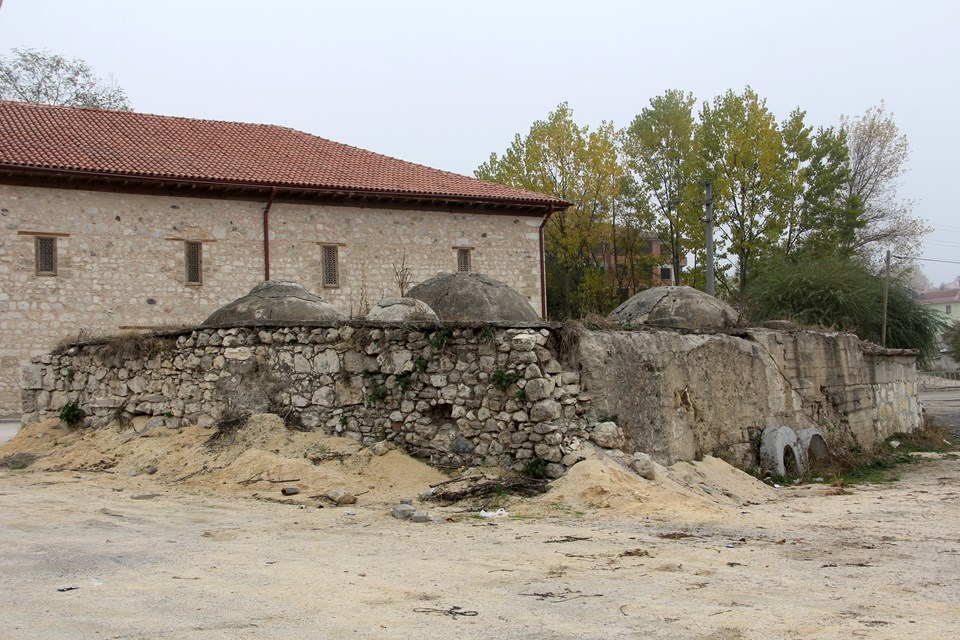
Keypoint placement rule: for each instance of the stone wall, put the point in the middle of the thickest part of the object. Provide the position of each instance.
(494, 395)
(455, 396)
(682, 396)
(121, 260)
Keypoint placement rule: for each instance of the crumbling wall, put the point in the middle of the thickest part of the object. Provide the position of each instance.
(455, 396)
(682, 396)
(494, 395)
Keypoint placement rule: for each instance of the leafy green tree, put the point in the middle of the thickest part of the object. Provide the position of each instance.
(33, 75)
(742, 151)
(821, 216)
(563, 159)
(659, 152)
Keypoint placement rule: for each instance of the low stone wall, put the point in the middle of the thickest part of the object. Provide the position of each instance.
(456, 396)
(497, 396)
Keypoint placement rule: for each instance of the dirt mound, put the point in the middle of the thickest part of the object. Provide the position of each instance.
(687, 490)
(258, 459)
(262, 456)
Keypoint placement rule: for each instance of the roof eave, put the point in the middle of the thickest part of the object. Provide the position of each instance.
(548, 205)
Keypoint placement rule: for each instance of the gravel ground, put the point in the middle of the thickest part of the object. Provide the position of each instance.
(153, 561)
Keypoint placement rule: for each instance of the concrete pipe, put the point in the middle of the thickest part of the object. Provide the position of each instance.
(780, 452)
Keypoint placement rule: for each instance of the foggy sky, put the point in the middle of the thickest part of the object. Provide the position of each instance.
(447, 83)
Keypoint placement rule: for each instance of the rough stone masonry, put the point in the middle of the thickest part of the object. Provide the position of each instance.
(493, 395)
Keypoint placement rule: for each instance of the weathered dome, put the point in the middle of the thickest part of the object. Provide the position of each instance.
(473, 296)
(274, 301)
(402, 310)
(676, 307)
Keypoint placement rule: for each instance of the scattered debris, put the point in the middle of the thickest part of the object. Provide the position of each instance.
(564, 596)
(480, 486)
(566, 539)
(453, 612)
(71, 588)
(289, 491)
(675, 535)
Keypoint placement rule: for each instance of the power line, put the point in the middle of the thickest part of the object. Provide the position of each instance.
(926, 259)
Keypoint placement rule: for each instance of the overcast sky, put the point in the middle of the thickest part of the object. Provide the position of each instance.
(446, 83)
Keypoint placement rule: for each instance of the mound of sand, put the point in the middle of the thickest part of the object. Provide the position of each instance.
(700, 490)
(257, 460)
(263, 456)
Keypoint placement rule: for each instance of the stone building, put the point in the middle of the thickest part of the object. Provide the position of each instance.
(114, 221)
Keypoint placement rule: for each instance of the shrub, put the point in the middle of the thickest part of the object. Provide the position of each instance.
(72, 414)
(843, 295)
(535, 467)
(502, 379)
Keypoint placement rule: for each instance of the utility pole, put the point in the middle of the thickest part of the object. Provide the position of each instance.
(709, 220)
(886, 294)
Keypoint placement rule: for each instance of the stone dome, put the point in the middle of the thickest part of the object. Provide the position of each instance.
(684, 307)
(274, 301)
(473, 297)
(402, 310)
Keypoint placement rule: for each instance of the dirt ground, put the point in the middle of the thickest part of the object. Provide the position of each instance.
(206, 547)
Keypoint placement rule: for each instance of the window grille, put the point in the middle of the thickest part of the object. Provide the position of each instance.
(331, 267)
(193, 259)
(463, 259)
(46, 251)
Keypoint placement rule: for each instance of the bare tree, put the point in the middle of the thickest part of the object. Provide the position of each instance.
(878, 158)
(39, 76)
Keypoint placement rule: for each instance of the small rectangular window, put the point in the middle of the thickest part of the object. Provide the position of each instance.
(331, 266)
(193, 260)
(46, 254)
(463, 259)
(949, 310)
(666, 273)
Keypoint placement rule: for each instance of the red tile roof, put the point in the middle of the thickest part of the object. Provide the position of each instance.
(940, 295)
(125, 143)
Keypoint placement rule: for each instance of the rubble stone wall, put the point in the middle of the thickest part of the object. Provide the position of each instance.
(492, 395)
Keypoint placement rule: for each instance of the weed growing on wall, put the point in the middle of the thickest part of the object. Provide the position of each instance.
(502, 379)
(71, 414)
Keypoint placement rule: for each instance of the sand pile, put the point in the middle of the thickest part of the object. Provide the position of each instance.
(262, 456)
(700, 490)
(258, 459)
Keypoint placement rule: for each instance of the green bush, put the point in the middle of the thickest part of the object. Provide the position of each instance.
(841, 294)
(502, 379)
(71, 413)
(535, 467)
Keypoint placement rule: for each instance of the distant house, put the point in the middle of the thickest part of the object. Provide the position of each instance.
(645, 262)
(117, 220)
(947, 303)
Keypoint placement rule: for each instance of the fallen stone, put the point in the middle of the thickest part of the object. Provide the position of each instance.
(150, 470)
(403, 511)
(643, 465)
(381, 448)
(420, 516)
(342, 497)
(607, 435)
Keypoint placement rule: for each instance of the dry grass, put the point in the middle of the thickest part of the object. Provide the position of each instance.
(132, 346)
